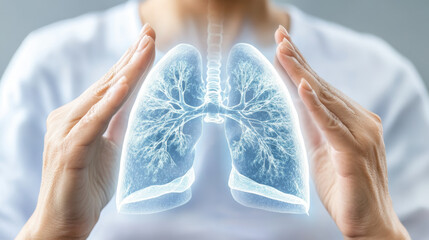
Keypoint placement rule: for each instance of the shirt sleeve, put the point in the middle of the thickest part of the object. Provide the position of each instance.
(25, 97)
(406, 128)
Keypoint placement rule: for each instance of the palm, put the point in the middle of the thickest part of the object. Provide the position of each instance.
(320, 157)
(338, 192)
(91, 185)
(95, 176)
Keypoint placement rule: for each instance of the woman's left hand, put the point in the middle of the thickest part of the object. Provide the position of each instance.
(346, 148)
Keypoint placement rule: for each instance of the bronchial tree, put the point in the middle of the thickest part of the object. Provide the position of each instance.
(269, 166)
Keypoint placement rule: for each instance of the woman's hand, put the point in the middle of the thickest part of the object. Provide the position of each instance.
(345, 144)
(82, 147)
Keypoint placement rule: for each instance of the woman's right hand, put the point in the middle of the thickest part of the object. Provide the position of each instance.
(82, 148)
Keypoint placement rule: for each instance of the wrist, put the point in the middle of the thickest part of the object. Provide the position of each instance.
(393, 235)
(396, 231)
(42, 226)
(392, 229)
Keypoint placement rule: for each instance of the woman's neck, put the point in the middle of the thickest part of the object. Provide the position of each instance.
(177, 21)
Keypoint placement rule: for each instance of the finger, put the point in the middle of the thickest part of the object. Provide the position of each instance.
(117, 126)
(96, 92)
(96, 120)
(116, 130)
(287, 47)
(335, 132)
(344, 108)
(295, 69)
(280, 35)
(294, 64)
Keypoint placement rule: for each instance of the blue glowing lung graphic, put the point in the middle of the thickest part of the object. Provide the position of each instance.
(269, 168)
(165, 124)
(269, 160)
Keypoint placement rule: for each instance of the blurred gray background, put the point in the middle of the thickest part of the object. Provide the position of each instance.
(404, 24)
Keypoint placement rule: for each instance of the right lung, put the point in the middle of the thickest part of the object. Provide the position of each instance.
(165, 124)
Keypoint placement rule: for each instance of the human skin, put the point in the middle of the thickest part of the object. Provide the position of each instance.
(82, 148)
(186, 21)
(345, 144)
(84, 137)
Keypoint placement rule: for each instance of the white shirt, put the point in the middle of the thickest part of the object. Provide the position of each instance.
(57, 63)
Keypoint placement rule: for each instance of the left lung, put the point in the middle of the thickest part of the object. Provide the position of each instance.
(269, 169)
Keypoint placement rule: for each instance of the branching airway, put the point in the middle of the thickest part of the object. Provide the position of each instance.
(261, 127)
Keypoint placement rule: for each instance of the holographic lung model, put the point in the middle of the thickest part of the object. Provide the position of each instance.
(269, 166)
(165, 123)
(269, 162)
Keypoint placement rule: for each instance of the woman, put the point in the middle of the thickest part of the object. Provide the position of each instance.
(85, 131)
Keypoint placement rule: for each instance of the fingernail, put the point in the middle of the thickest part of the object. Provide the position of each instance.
(143, 43)
(145, 27)
(306, 86)
(283, 30)
(286, 46)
